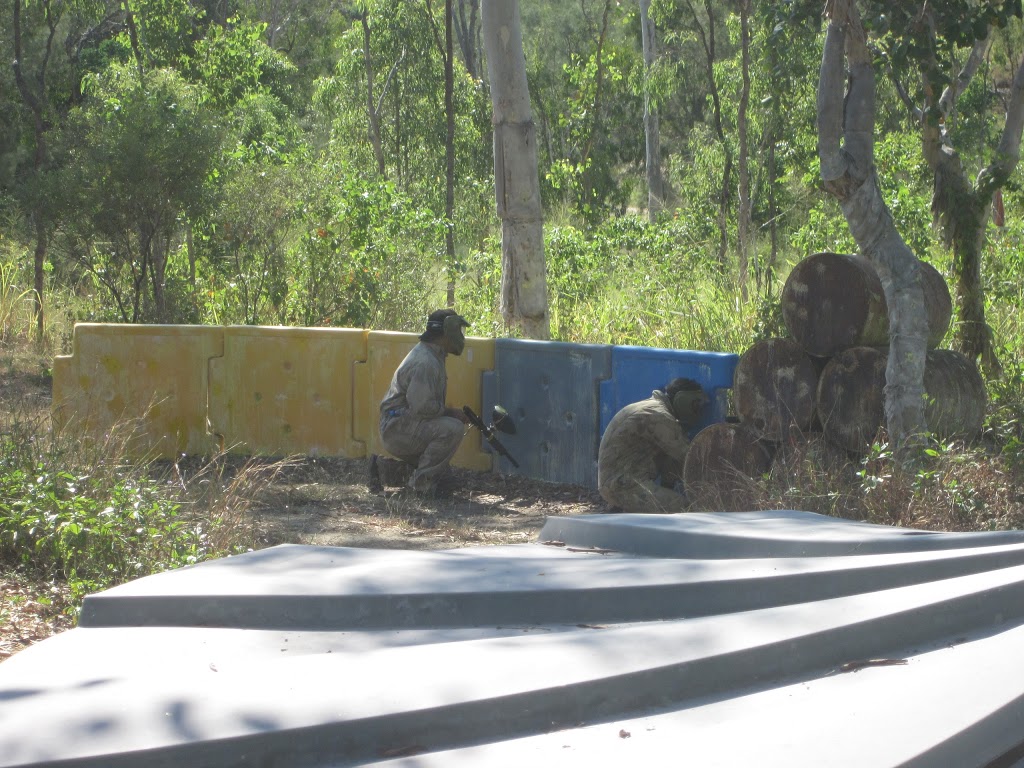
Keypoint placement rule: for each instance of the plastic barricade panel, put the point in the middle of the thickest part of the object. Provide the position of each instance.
(148, 380)
(550, 390)
(638, 371)
(385, 352)
(283, 391)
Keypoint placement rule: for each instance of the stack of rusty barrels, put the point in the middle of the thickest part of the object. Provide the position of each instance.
(824, 385)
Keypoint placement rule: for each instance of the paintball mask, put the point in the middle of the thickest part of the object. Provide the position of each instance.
(687, 406)
(451, 327)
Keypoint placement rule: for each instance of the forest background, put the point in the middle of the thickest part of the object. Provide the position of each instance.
(285, 162)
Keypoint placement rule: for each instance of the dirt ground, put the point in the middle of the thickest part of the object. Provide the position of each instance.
(327, 502)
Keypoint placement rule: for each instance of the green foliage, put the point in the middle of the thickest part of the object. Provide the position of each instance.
(124, 221)
(233, 62)
(93, 517)
(908, 41)
(368, 259)
(167, 30)
(89, 532)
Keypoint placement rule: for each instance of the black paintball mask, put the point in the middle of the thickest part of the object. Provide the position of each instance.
(688, 406)
(450, 327)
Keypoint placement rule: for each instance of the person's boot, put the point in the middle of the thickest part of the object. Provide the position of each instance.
(373, 479)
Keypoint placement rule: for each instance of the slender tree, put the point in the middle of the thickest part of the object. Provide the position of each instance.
(446, 50)
(468, 29)
(708, 39)
(743, 225)
(373, 105)
(652, 135)
(33, 92)
(524, 301)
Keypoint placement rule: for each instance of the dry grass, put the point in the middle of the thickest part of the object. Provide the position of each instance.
(954, 487)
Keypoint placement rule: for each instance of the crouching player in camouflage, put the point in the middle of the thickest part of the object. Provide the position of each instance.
(415, 424)
(640, 461)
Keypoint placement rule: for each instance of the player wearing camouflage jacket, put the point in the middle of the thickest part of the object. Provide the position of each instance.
(415, 424)
(643, 444)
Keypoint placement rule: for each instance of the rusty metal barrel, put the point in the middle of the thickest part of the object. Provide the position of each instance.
(719, 466)
(956, 395)
(851, 392)
(833, 301)
(775, 388)
(851, 396)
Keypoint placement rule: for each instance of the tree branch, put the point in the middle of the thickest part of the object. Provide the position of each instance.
(947, 101)
(831, 84)
(1008, 152)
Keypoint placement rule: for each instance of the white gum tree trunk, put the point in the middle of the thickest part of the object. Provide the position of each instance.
(524, 300)
(652, 134)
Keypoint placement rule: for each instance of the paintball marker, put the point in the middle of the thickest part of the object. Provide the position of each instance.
(500, 420)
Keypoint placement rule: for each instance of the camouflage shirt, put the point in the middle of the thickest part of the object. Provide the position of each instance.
(420, 384)
(642, 440)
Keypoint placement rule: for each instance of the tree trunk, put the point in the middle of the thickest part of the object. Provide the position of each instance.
(373, 116)
(846, 117)
(707, 38)
(766, 276)
(586, 183)
(655, 183)
(743, 228)
(468, 32)
(524, 301)
(963, 208)
(34, 100)
(449, 150)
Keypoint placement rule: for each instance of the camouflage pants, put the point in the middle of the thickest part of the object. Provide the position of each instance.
(427, 444)
(635, 494)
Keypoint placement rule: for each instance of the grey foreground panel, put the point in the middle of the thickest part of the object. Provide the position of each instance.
(769, 639)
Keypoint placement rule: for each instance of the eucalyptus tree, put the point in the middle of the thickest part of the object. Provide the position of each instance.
(846, 131)
(524, 301)
(706, 26)
(467, 26)
(934, 55)
(446, 48)
(586, 72)
(743, 225)
(652, 136)
(32, 87)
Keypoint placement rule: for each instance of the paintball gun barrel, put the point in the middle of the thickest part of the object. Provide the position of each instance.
(500, 421)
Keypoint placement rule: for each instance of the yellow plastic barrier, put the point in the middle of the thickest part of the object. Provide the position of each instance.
(190, 389)
(283, 391)
(149, 380)
(385, 351)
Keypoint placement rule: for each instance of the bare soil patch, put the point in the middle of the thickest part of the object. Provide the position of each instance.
(327, 502)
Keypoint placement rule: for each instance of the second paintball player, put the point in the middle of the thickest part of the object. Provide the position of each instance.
(640, 460)
(415, 424)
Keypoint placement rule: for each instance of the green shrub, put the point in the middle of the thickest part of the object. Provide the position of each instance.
(84, 511)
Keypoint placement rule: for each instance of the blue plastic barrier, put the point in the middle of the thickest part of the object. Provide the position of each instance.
(638, 371)
(550, 389)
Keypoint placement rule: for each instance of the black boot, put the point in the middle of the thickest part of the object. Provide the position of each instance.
(373, 479)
